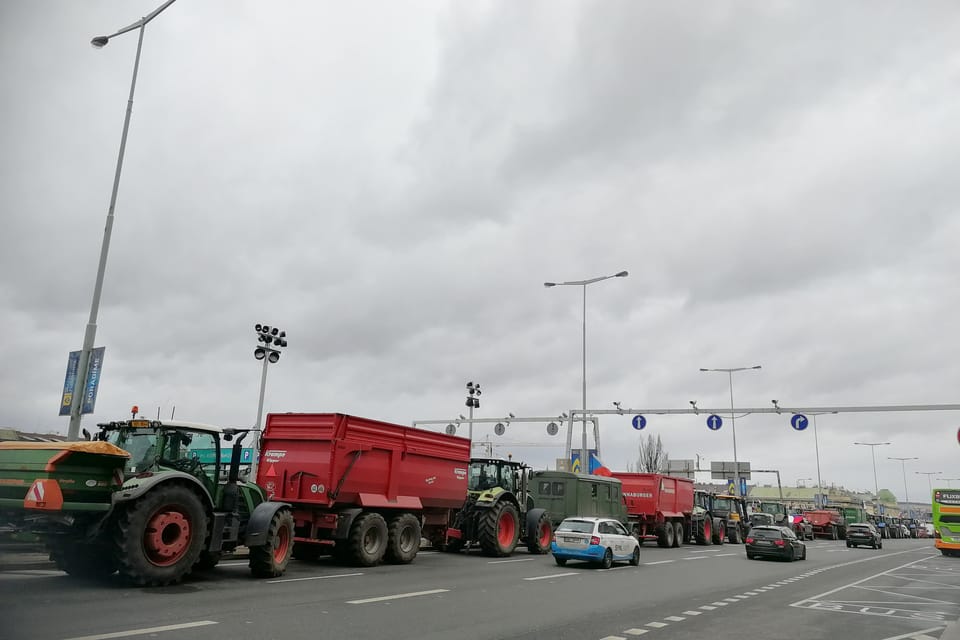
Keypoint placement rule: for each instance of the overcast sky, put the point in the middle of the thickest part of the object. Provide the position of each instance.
(391, 183)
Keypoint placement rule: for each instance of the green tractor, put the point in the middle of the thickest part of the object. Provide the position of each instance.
(151, 500)
(495, 515)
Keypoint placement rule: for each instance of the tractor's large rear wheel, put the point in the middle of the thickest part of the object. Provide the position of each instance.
(403, 539)
(160, 536)
(84, 560)
(719, 533)
(270, 559)
(367, 543)
(704, 532)
(538, 540)
(499, 530)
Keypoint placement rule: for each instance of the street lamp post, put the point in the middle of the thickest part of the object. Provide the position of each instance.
(948, 481)
(267, 336)
(816, 446)
(928, 474)
(873, 449)
(90, 334)
(903, 467)
(733, 424)
(473, 401)
(583, 283)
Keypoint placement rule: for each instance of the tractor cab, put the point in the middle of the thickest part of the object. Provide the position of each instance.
(487, 474)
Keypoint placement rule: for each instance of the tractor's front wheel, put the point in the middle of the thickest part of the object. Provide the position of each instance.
(270, 559)
(538, 540)
(160, 536)
(499, 530)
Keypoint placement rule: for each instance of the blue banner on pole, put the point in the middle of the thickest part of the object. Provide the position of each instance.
(577, 467)
(93, 380)
(69, 383)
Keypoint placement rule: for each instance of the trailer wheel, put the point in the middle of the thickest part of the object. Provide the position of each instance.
(704, 534)
(538, 540)
(95, 561)
(403, 539)
(669, 534)
(499, 530)
(677, 534)
(368, 540)
(270, 559)
(833, 533)
(160, 536)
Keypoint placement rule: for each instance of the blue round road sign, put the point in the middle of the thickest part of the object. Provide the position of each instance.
(639, 422)
(714, 422)
(799, 421)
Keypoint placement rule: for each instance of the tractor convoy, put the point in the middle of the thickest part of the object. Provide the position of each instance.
(154, 500)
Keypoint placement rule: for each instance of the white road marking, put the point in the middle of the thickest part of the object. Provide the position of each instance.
(650, 564)
(723, 555)
(636, 632)
(553, 575)
(505, 561)
(707, 607)
(701, 551)
(675, 618)
(337, 575)
(657, 625)
(730, 600)
(613, 638)
(694, 558)
(398, 596)
(720, 604)
(233, 564)
(752, 593)
(741, 597)
(916, 635)
(692, 613)
(146, 630)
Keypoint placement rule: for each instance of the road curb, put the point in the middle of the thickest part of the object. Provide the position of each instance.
(952, 632)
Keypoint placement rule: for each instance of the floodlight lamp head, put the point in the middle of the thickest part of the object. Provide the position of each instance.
(549, 284)
(511, 415)
(274, 356)
(100, 42)
(257, 327)
(622, 274)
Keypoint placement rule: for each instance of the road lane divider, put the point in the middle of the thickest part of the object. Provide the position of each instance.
(336, 575)
(398, 596)
(553, 575)
(146, 630)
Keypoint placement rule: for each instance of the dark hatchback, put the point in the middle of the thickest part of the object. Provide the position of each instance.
(863, 534)
(775, 542)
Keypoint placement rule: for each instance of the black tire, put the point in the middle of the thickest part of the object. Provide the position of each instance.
(704, 532)
(733, 535)
(607, 560)
(751, 556)
(499, 530)
(403, 539)
(677, 534)
(662, 534)
(208, 560)
(833, 533)
(159, 537)
(367, 543)
(635, 558)
(270, 559)
(538, 540)
(720, 533)
(560, 561)
(307, 552)
(87, 561)
(880, 546)
(803, 554)
(669, 534)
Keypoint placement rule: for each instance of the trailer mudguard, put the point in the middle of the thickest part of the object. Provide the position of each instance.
(345, 521)
(137, 486)
(533, 519)
(259, 522)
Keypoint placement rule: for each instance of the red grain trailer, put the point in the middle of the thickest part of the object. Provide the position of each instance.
(827, 523)
(659, 507)
(364, 489)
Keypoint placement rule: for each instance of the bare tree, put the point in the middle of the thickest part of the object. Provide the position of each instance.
(652, 459)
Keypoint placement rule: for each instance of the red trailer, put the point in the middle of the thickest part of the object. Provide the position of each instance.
(364, 489)
(658, 507)
(826, 523)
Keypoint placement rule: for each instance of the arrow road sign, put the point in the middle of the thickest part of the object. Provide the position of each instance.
(639, 422)
(799, 421)
(714, 422)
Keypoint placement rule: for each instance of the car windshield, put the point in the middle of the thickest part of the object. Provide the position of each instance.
(576, 526)
(858, 527)
(769, 534)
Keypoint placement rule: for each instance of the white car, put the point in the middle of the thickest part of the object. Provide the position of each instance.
(602, 541)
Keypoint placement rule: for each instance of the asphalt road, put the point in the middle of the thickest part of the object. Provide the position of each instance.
(905, 591)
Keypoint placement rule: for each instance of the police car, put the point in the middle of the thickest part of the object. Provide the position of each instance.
(602, 541)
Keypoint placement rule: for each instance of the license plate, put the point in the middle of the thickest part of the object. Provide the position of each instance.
(572, 539)
(763, 543)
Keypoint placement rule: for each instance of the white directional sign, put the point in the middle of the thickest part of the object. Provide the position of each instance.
(799, 421)
(714, 422)
(639, 422)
